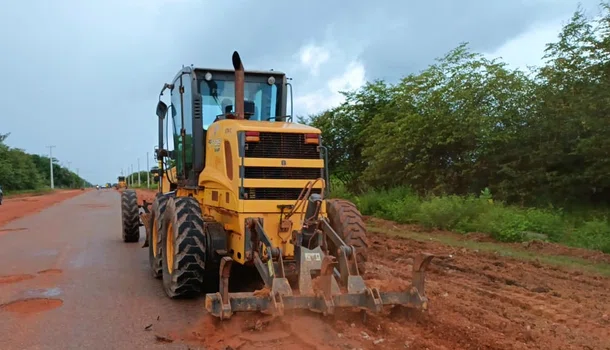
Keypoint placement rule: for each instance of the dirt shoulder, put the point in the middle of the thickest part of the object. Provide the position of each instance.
(21, 205)
(500, 296)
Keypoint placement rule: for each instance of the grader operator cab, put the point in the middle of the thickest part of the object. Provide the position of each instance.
(249, 187)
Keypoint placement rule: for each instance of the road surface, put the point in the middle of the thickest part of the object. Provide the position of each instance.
(69, 282)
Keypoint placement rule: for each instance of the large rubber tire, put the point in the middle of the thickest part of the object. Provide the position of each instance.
(347, 221)
(183, 248)
(154, 238)
(130, 216)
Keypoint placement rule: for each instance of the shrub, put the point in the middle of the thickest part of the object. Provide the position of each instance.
(481, 214)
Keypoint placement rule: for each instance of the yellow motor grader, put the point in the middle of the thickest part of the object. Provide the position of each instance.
(246, 185)
(122, 184)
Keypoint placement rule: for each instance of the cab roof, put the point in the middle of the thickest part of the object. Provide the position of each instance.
(199, 70)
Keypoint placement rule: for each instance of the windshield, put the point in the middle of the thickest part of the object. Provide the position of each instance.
(218, 94)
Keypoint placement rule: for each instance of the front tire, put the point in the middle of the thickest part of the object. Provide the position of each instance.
(347, 221)
(154, 238)
(130, 216)
(183, 248)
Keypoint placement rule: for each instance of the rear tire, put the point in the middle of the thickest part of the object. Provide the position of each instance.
(130, 216)
(183, 248)
(154, 238)
(347, 221)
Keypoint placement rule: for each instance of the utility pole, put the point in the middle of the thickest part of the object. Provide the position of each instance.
(139, 183)
(131, 175)
(51, 164)
(147, 172)
(71, 184)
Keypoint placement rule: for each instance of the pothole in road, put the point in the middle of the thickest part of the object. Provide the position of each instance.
(31, 305)
(15, 278)
(50, 272)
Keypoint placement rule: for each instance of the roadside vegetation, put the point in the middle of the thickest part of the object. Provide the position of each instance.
(21, 172)
(472, 145)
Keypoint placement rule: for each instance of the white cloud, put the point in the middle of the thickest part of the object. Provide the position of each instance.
(528, 48)
(312, 57)
(352, 78)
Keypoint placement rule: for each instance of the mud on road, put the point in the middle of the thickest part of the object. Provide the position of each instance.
(478, 300)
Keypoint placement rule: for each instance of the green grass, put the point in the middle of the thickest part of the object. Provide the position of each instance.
(505, 223)
(500, 249)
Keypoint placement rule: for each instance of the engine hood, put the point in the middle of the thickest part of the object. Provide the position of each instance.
(234, 125)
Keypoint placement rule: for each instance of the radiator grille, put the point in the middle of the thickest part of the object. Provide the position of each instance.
(281, 145)
(282, 173)
(275, 193)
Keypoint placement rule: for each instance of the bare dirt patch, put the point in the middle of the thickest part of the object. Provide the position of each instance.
(15, 278)
(31, 306)
(15, 208)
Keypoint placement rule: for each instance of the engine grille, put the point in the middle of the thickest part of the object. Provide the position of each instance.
(275, 193)
(281, 145)
(282, 173)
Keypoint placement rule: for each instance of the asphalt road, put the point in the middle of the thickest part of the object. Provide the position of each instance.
(67, 281)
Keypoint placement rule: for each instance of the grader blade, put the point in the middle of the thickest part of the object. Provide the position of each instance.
(327, 299)
(338, 283)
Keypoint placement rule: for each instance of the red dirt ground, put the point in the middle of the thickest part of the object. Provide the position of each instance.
(478, 300)
(19, 206)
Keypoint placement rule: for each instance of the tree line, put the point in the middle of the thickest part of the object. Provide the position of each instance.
(468, 123)
(21, 171)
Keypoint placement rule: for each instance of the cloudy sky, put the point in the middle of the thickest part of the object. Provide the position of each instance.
(85, 75)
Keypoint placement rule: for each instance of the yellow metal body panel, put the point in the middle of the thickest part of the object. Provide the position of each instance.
(164, 185)
(221, 182)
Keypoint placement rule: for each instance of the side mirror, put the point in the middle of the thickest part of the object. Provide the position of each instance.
(161, 109)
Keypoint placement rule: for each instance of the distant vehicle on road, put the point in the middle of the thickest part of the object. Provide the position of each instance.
(1, 195)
